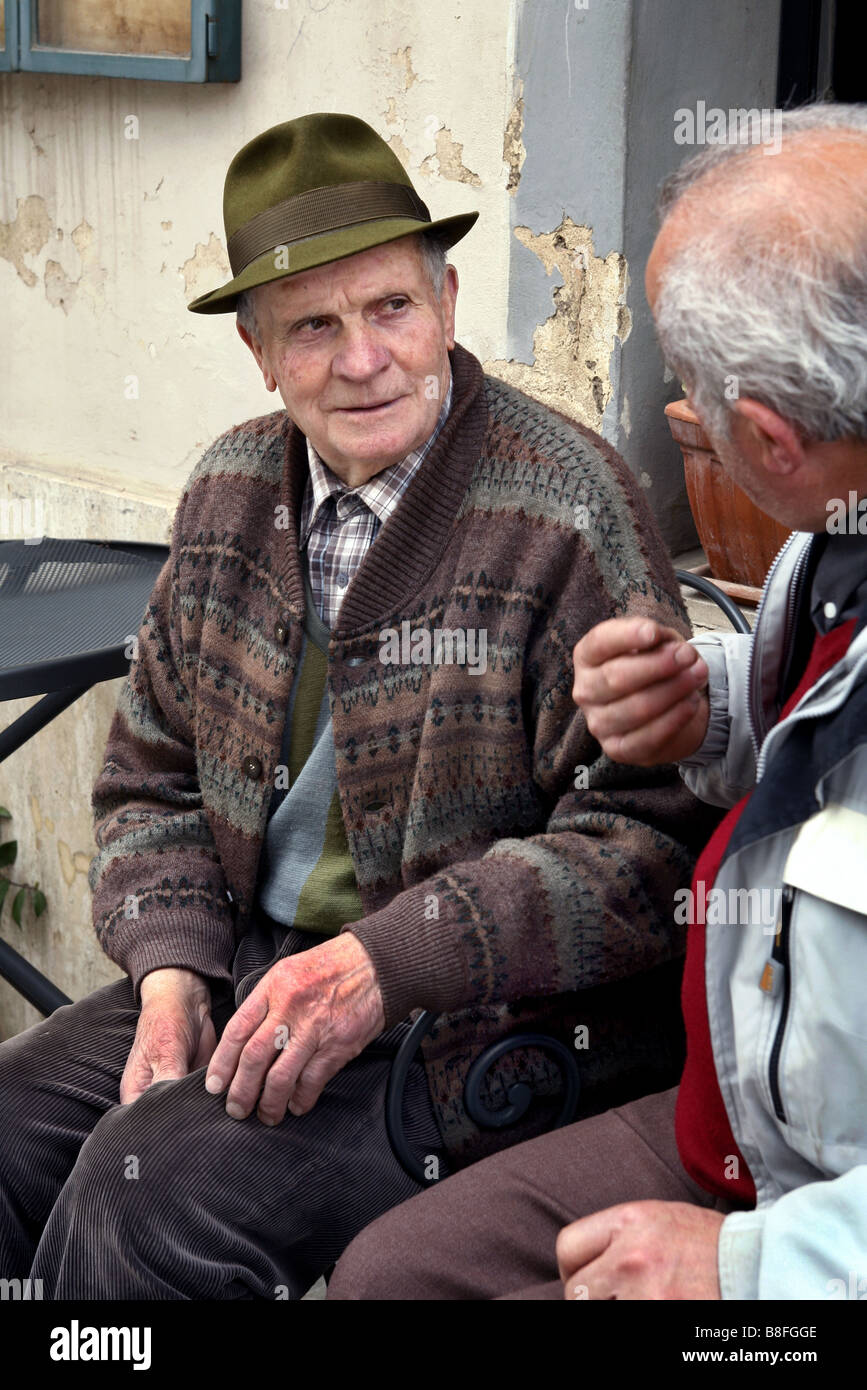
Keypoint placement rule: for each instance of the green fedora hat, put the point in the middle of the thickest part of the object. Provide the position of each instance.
(310, 191)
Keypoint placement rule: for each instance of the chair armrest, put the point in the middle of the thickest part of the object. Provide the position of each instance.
(520, 1096)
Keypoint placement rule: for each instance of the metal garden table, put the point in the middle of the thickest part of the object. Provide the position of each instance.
(68, 609)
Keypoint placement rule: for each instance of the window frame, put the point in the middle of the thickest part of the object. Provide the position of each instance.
(215, 48)
(9, 51)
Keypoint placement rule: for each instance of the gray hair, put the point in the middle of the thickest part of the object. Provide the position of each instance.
(245, 311)
(434, 255)
(772, 302)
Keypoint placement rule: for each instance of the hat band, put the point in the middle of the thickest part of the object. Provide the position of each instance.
(321, 210)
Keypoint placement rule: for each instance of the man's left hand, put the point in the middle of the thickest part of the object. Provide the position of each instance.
(307, 1017)
(658, 1250)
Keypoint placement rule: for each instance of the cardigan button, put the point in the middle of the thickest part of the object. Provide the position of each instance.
(375, 806)
(355, 661)
(252, 767)
(281, 632)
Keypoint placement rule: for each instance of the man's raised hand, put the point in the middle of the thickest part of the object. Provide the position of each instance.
(642, 690)
(307, 1017)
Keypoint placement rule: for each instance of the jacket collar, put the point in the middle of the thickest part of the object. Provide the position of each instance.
(814, 746)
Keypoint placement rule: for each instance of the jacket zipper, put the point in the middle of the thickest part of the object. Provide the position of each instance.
(780, 954)
(756, 718)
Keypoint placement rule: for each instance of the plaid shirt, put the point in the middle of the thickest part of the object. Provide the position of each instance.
(339, 524)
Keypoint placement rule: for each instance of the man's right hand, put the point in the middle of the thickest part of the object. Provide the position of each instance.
(175, 1033)
(642, 688)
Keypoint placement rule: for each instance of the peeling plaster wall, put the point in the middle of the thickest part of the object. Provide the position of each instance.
(566, 150)
(104, 238)
(725, 55)
(112, 390)
(572, 348)
(589, 138)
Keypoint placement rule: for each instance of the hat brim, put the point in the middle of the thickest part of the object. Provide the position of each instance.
(327, 246)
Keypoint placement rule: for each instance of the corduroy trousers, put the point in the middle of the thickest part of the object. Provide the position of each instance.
(170, 1198)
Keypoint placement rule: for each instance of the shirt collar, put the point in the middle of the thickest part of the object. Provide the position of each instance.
(380, 493)
(839, 589)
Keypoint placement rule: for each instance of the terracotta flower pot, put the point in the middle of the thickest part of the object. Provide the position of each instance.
(739, 540)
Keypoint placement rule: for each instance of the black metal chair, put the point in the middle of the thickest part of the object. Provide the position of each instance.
(68, 610)
(519, 1096)
(713, 591)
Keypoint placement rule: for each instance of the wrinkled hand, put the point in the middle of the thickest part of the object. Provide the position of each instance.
(642, 1250)
(175, 1033)
(307, 1017)
(642, 690)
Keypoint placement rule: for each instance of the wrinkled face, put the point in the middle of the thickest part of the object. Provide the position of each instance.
(358, 350)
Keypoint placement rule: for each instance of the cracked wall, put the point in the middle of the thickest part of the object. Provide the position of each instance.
(572, 347)
(514, 152)
(447, 161)
(110, 217)
(206, 268)
(589, 140)
(25, 236)
(29, 233)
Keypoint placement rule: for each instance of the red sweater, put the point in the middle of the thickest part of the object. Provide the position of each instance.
(704, 1134)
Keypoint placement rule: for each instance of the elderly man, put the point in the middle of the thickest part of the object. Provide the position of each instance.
(310, 823)
(749, 1181)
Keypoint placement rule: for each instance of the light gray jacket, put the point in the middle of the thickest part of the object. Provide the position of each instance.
(788, 1020)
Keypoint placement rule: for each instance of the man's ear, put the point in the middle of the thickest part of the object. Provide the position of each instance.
(447, 299)
(778, 445)
(256, 348)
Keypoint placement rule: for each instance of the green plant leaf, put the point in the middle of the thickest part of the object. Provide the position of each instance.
(8, 851)
(18, 904)
(4, 889)
(6, 815)
(39, 902)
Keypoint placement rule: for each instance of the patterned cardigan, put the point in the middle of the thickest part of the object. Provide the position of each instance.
(502, 889)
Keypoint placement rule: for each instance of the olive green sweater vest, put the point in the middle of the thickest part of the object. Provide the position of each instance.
(308, 878)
